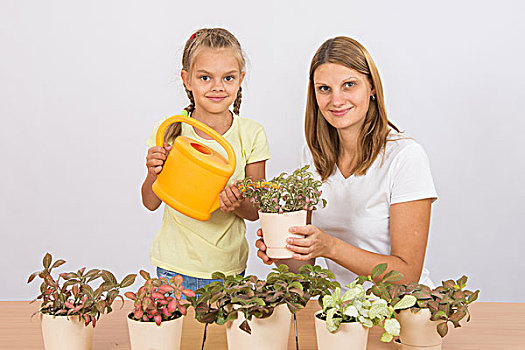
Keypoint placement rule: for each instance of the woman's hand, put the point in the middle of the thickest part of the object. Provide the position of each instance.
(261, 253)
(155, 159)
(317, 243)
(230, 199)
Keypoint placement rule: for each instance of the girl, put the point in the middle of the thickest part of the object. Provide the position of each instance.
(378, 184)
(213, 68)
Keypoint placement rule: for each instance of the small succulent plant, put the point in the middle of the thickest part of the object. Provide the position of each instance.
(355, 305)
(284, 193)
(159, 299)
(72, 293)
(222, 301)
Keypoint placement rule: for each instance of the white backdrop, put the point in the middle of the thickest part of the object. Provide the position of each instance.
(82, 84)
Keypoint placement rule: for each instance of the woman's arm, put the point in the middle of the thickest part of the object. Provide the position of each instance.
(409, 224)
(231, 199)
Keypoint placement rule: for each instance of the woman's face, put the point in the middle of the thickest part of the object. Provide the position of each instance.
(343, 95)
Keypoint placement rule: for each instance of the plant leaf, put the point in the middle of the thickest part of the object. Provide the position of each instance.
(128, 280)
(405, 302)
(392, 326)
(47, 261)
(58, 263)
(145, 274)
(378, 270)
(32, 277)
(442, 329)
(393, 276)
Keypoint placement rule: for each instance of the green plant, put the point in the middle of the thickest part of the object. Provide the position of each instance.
(72, 293)
(317, 281)
(355, 305)
(220, 302)
(284, 193)
(159, 299)
(448, 302)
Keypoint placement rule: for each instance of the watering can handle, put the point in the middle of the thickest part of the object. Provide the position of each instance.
(201, 126)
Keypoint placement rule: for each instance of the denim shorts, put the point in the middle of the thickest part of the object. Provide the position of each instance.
(188, 282)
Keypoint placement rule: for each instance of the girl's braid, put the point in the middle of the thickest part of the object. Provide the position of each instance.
(191, 106)
(237, 102)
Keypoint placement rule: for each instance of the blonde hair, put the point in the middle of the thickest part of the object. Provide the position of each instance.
(322, 138)
(214, 38)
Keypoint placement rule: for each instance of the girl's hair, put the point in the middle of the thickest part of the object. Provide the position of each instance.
(322, 138)
(213, 38)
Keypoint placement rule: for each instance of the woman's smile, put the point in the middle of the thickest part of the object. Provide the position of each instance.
(340, 112)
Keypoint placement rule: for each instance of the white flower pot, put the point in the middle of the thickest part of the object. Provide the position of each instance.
(275, 229)
(349, 336)
(66, 332)
(418, 331)
(148, 336)
(267, 333)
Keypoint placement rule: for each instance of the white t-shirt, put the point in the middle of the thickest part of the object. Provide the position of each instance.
(358, 208)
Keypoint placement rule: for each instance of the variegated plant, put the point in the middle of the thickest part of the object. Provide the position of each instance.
(355, 305)
(284, 193)
(159, 299)
(73, 293)
(446, 303)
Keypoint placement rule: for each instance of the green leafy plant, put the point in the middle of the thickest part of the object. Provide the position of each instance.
(72, 293)
(159, 299)
(220, 302)
(284, 193)
(448, 302)
(355, 305)
(318, 281)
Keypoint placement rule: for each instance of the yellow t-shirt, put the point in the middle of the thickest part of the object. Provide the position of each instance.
(199, 248)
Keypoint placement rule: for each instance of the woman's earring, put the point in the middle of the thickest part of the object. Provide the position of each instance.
(373, 97)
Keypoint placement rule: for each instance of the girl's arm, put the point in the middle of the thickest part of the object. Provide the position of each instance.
(409, 224)
(154, 162)
(231, 199)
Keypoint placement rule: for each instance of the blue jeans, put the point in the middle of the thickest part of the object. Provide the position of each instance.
(188, 282)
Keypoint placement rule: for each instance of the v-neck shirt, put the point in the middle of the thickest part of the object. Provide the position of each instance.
(358, 207)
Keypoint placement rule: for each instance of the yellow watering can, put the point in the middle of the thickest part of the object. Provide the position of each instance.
(193, 175)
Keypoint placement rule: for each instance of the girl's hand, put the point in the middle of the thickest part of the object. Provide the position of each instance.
(317, 243)
(230, 199)
(261, 253)
(155, 159)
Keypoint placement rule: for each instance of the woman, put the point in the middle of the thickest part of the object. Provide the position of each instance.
(377, 183)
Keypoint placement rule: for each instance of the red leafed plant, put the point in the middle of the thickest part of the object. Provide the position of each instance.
(159, 299)
(72, 293)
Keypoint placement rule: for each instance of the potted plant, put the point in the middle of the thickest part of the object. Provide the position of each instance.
(257, 313)
(425, 324)
(346, 318)
(156, 319)
(282, 202)
(70, 303)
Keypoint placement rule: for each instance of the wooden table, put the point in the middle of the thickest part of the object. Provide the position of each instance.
(494, 326)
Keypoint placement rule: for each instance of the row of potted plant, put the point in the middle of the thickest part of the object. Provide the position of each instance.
(253, 310)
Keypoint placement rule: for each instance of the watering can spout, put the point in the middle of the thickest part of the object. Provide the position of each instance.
(193, 175)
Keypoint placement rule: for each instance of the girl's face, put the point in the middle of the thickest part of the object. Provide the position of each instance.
(214, 80)
(342, 94)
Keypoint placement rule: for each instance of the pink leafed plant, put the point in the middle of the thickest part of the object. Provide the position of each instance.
(159, 299)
